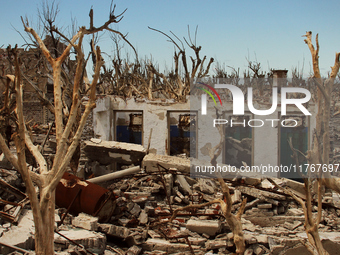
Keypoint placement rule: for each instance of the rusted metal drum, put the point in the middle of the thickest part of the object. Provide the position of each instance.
(82, 196)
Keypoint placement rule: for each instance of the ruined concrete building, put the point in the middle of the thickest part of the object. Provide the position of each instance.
(251, 140)
(35, 76)
(170, 127)
(132, 209)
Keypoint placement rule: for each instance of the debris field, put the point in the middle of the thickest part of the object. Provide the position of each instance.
(128, 211)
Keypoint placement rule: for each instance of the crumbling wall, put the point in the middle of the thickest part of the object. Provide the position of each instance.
(102, 119)
(155, 117)
(265, 139)
(88, 132)
(266, 142)
(34, 112)
(34, 68)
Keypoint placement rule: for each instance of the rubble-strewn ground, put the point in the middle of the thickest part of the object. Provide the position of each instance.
(273, 223)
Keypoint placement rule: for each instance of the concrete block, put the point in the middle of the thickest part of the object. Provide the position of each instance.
(184, 185)
(177, 200)
(150, 162)
(249, 251)
(292, 226)
(93, 241)
(258, 250)
(265, 184)
(252, 181)
(206, 186)
(296, 186)
(262, 239)
(143, 217)
(154, 234)
(107, 152)
(264, 206)
(215, 244)
(198, 241)
(183, 198)
(21, 235)
(164, 245)
(133, 250)
(134, 239)
(249, 226)
(236, 197)
(295, 211)
(249, 239)
(261, 194)
(113, 230)
(133, 209)
(85, 221)
(209, 227)
(169, 182)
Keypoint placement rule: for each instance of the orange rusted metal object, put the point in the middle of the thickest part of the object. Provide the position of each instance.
(82, 196)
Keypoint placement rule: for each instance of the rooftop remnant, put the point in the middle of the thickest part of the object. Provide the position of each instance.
(107, 152)
(151, 162)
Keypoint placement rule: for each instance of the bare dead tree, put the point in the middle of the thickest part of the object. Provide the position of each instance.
(233, 221)
(47, 178)
(180, 84)
(321, 142)
(231, 78)
(313, 244)
(319, 153)
(257, 79)
(143, 79)
(311, 225)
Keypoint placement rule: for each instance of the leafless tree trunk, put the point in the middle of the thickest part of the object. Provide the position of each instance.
(321, 144)
(313, 244)
(43, 206)
(319, 154)
(233, 221)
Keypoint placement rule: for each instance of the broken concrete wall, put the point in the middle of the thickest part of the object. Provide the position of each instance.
(208, 136)
(33, 65)
(265, 133)
(107, 152)
(102, 118)
(265, 139)
(267, 151)
(155, 117)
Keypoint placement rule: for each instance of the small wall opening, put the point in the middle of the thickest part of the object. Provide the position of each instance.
(129, 126)
(182, 133)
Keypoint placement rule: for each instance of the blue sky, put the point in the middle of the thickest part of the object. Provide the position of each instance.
(229, 31)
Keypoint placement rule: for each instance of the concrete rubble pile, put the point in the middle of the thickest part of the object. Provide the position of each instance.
(273, 223)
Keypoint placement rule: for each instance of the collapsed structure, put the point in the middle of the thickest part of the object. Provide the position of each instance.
(173, 128)
(158, 204)
(138, 222)
(130, 213)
